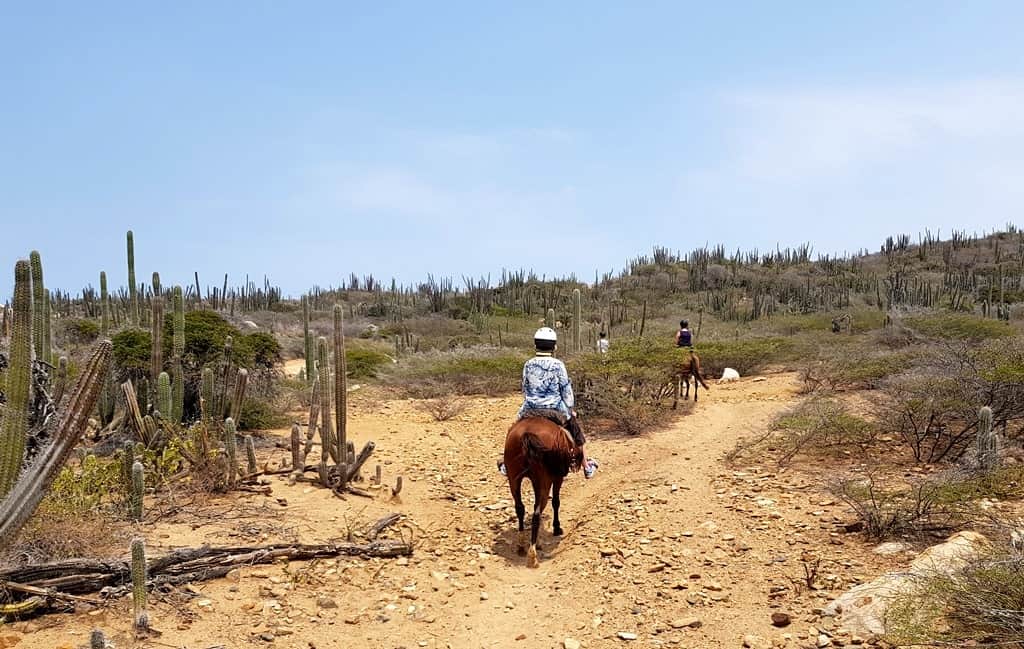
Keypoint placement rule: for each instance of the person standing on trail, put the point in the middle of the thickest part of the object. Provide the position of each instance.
(684, 337)
(546, 386)
(602, 343)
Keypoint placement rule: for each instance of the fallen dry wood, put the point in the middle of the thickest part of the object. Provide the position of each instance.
(113, 578)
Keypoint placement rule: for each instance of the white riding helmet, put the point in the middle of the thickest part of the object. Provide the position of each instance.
(546, 333)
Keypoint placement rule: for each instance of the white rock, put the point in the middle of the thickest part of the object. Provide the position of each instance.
(729, 374)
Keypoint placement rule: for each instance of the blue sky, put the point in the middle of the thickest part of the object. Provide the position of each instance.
(307, 140)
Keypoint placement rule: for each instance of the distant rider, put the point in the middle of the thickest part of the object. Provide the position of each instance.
(602, 343)
(546, 386)
(684, 337)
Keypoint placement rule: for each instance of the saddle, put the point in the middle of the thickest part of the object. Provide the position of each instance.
(570, 427)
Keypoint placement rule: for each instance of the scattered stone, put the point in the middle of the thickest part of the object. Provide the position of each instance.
(756, 642)
(685, 622)
(326, 602)
(780, 619)
(625, 635)
(570, 643)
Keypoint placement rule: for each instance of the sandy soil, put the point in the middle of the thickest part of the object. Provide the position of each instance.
(667, 543)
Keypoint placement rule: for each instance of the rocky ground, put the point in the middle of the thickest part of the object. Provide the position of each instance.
(667, 546)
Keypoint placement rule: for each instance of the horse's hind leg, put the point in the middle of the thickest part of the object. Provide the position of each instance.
(686, 394)
(541, 486)
(556, 501)
(516, 486)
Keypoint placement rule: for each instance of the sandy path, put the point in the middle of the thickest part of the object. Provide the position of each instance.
(665, 534)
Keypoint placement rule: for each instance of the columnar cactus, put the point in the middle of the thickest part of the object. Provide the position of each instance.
(141, 616)
(14, 427)
(206, 392)
(156, 332)
(47, 351)
(156, 285)
(127, 462)
(340, 370)
(577, 320)
(104, 306)
(163, 395)
(241, 381)
(328, 442)
(307, 339)
(250, 454)
(989, 444)
(549, 319)
(38, 296)
(178, 348)
(61, 380)
(138, 490)
(221, 406)
(298, 460)
(231, 450)
(133, 316)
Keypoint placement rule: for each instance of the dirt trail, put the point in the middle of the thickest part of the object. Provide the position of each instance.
(665, 543)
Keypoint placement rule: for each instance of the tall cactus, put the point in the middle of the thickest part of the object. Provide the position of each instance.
(133, 316)
(47, 346)
(156, 284)
(577, 320)
(14, 427)
(549, 319)
(231, 450)
(60, 380)
(104, 306)
(178, 350)
(140, 614)
(340, 370)
(241, 381)
(163, 395)
(206, 392)
(989, 444)
(307, 340)
(138, 490)
(38, 296)
(250, 454)
(97, 640)
(327, 437)
(156, 353)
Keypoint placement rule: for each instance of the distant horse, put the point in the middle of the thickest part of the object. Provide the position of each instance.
(691, 368)
(541, 450)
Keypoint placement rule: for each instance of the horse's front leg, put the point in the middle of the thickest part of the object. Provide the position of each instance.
(686, 382)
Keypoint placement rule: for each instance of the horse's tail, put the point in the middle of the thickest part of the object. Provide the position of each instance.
(695, 368)
(557, 461)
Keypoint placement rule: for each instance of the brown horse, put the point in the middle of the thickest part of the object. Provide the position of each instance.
(691, 367)
(541, 450)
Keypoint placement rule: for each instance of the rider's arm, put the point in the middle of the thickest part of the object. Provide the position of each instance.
(565, 386)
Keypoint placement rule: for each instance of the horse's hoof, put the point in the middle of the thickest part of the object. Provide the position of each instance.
(557, 531)
(531, 558)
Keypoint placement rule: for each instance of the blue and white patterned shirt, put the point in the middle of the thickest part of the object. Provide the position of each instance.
(546, 384)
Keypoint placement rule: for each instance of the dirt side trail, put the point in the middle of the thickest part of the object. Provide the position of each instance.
(666, 546)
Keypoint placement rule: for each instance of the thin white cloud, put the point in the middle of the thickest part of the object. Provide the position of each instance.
(806, 134)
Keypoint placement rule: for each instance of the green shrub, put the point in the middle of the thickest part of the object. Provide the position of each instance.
(363, 362)
(131, 353)
(81, 330)
(856, 369)
(205, 335)
(958, 326)
(746, 356)
(459, 372)
(261, 414)
(821, 427)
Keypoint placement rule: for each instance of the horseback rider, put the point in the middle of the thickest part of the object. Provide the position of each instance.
(684, 337)
(546, 387)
